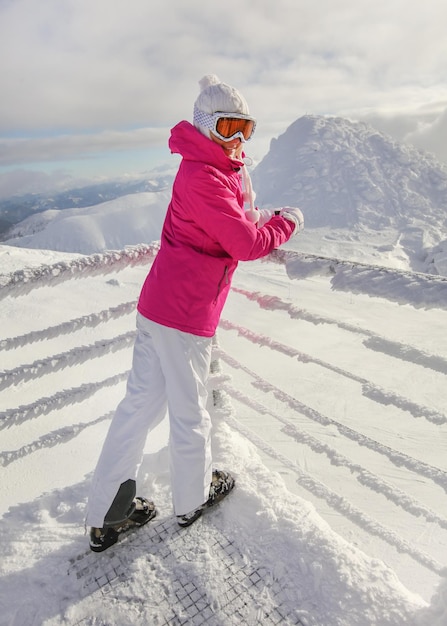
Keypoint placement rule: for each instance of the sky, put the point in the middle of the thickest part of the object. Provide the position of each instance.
(91, 88)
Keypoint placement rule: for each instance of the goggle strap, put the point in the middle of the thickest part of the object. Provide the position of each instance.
(203, 119)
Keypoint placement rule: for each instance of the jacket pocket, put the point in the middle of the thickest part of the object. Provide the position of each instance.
(224, 280)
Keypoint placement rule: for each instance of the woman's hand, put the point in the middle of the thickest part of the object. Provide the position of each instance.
(294, 215)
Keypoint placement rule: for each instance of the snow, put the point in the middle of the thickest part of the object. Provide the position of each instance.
(329, 408)
(87, 230)
(339, 456)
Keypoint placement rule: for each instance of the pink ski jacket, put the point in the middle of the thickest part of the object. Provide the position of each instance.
(205, 234)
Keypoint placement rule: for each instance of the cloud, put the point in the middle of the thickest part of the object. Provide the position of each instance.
(78, 64)
(424, 128)
(60, 147)
(36, 182)
(431, 136)
(77, 75)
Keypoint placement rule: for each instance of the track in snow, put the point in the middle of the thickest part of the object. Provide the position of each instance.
(232, 594)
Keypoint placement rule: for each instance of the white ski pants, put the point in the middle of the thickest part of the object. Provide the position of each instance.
(170, 370)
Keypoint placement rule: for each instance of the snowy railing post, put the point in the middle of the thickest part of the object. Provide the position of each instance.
(215, 368)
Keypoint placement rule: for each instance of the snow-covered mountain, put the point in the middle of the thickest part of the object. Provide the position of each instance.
(16, 208)
(360, 185)
(128, 220)
(347, 175)
(364, 196)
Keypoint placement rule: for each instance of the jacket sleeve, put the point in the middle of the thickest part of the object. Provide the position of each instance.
(214, 207)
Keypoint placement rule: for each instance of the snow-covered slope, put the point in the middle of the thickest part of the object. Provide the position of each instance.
(128, 220)
(330, 412)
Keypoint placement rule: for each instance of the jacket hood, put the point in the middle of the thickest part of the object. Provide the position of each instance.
(189, 142)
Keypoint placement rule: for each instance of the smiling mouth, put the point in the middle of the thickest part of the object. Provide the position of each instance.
(230, 148)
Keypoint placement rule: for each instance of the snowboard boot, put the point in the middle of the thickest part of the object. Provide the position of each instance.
(103, 538)
(221, 485)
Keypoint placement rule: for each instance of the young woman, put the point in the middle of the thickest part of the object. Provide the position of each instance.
(205, 233)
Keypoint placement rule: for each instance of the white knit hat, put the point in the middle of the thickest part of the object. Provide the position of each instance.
(217, 96)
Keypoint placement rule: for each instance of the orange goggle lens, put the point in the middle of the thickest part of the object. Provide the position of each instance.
(228, 127)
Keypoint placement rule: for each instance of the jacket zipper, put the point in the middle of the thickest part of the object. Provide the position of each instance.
(219, 286)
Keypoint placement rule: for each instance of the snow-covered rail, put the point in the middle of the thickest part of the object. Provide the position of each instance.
(25, 280)
(405, 287)
(70, 326)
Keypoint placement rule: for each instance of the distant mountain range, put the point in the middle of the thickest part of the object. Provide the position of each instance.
(365, 197)
(17, 208)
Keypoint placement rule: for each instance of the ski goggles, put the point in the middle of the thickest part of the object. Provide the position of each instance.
(227, 126)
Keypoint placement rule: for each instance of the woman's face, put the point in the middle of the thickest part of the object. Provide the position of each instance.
(231, 148)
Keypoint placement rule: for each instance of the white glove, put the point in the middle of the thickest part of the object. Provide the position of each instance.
(293, 215)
